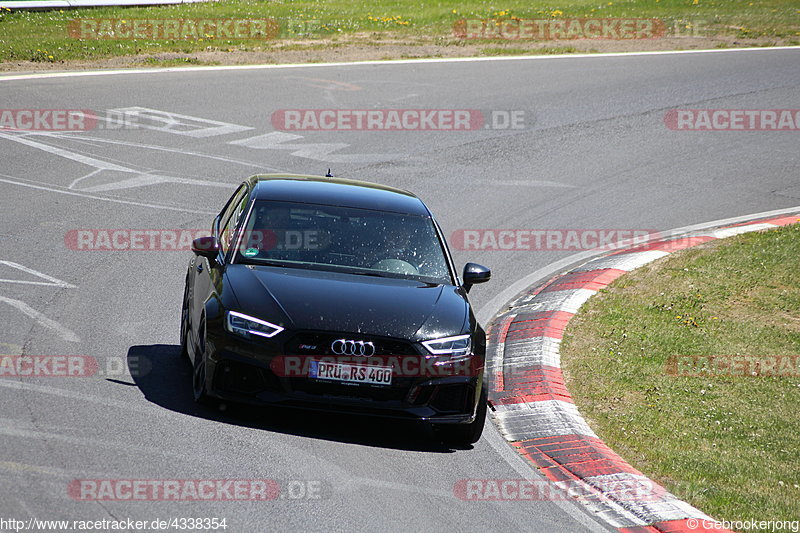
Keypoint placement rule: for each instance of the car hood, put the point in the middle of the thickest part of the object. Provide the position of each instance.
(303, 299)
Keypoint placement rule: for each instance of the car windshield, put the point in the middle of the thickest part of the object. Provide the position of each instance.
(357, 241)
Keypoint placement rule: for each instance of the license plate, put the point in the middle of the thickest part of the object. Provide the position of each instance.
(350, 373)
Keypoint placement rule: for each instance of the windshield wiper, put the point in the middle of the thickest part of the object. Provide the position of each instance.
(267, 262)
(366, 273)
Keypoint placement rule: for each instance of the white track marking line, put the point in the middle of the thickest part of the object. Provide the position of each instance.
(80, 158)
(103, 198)
(63, 332)
(152, 179)
(84, 73)
(84, 138)
(78, 180)
(52, 281)
(169, 122)
(279, 140)
(140, 180)
(24, 282)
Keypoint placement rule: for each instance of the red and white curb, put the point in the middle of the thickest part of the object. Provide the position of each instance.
(535, 412)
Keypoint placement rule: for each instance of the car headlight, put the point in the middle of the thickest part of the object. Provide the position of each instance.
(246, 326)
(458, 345)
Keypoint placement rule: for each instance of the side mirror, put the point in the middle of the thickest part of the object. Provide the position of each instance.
(475, 273)
(206, 247)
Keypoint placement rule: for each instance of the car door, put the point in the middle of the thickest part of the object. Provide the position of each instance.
(208, 273)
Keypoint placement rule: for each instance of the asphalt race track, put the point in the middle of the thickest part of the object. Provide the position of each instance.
(594, 153)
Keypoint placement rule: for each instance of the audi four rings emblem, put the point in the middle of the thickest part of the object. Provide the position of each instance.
(351, 347)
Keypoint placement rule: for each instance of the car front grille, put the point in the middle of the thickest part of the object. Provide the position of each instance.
(319, 343)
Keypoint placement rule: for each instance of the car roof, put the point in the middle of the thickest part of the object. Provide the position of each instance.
(335, 191)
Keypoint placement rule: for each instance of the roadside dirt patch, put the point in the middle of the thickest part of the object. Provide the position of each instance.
(376, 46)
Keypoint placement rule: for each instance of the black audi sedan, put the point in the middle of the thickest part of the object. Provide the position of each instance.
(335, 295)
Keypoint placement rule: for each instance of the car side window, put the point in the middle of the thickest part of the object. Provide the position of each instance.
(230, 217)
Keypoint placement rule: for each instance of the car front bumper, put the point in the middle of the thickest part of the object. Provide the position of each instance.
(243, 372)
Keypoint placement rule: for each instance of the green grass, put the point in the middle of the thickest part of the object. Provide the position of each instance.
(38, 35)
(728, 445)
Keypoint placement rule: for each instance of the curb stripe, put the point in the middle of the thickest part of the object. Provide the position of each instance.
(670, 245)
(738, 230)
(626, 262)
(541, 324)
(593, 280)
(535, 412)
(783, 221)
(568, 301)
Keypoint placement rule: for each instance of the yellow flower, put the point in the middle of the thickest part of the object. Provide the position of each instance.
(454, 11)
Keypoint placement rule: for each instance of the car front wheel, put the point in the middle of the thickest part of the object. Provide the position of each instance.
(185, 322)
(199, 370)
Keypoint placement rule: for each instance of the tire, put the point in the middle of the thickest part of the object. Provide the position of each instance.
(466, 434)
(199, 390)
(185, 321)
